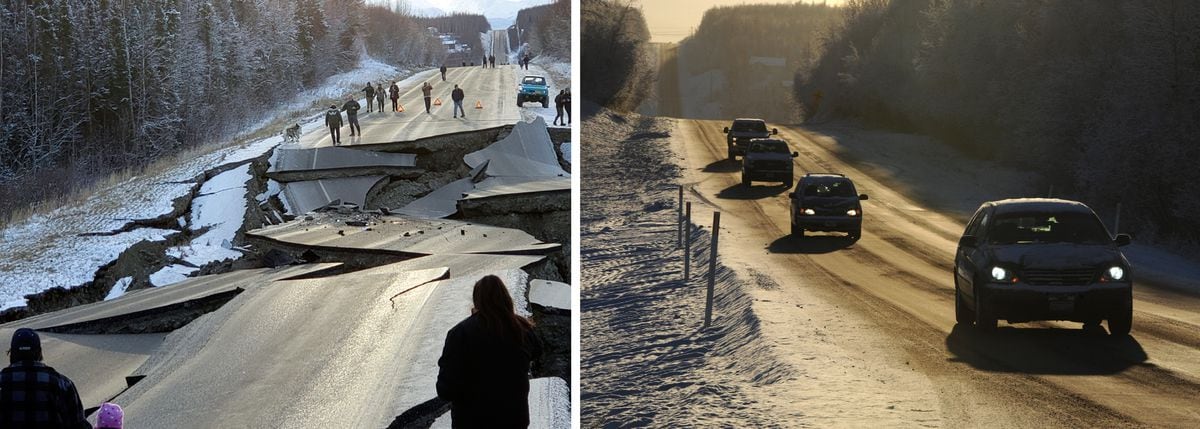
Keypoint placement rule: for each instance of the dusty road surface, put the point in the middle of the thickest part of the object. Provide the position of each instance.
(866, 329)
(898, 277)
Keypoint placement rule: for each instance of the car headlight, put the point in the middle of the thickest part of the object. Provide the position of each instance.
(1001, 274)
(852, 212)
(810, 212)
(1113, 274)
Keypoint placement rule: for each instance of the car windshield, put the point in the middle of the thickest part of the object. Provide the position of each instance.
(749, 126)
(829, 188)
(772, 146)
(1047, 227)
(534, 80)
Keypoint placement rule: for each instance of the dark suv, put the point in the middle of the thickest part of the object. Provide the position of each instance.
(826, 202)
(1041, 259)
(743, 130)
(767, 159)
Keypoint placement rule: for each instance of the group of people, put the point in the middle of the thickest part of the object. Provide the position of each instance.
(525, 62)
(34, 395)
(562, 103)
(490, 59)
(483, 372)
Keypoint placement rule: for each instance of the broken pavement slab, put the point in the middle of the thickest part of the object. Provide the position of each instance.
(97, 364)
(404, 236)
(526, 152)
(335, 351)
(293, 164)
(148, 310)
(550, 294)
(306, 196)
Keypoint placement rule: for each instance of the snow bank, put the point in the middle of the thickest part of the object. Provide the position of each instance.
(218, 211)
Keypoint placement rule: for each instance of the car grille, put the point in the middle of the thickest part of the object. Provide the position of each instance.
(1072, 277)
(772, 165)
(820, 211)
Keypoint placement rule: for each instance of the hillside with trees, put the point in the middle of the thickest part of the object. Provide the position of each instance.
(89, 87)
(547, 29)
(748, 55)
(616, 71)
(1101, 98)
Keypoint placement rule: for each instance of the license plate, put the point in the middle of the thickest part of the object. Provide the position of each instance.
(1062, 304)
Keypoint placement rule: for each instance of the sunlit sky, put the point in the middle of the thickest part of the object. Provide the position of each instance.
(672, 20)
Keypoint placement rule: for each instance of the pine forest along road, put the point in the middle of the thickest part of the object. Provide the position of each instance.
(492, 89)
(898, 279)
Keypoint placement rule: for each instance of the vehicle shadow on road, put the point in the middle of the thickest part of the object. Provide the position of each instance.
(723, 166)
(1040, 350)
(810, 245)
(740, 192)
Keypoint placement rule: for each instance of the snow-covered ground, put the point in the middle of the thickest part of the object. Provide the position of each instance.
(47, 250)
(218, 211)
(644, 359)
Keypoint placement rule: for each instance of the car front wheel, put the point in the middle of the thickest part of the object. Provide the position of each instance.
(984, 320)
(1121, 323)
(962, 313)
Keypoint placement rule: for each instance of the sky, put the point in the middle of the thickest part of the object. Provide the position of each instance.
(672, 20)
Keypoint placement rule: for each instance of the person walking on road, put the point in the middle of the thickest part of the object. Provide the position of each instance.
(351, 108)
(427, 91)
(525, 62)
(34, 395)
(558, 107)
(333, 120)
(567, 105)
(394, 92)
(484, 63)
(457, 95)
(378, 96)
(370, 90)
(485, 364)
(492, 59)
(443, 72)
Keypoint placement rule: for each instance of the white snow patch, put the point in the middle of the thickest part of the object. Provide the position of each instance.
(171, 274)
(566, 151)
(220, 208)
(119, 288)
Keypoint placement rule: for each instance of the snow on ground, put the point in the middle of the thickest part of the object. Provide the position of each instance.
(46, 250)
(219, 209)
(119, 288)
(645, 360)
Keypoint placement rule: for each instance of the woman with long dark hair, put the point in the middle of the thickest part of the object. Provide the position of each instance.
(486, 361)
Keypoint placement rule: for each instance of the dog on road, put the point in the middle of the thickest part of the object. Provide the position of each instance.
(292, 134)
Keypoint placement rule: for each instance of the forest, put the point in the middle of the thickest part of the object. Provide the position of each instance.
(616, 70)
(755, 49)
(549, 26)
(1102, 98)
(91, 87)
(463, 25)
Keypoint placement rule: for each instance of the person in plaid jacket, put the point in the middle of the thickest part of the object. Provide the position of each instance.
(33, 395)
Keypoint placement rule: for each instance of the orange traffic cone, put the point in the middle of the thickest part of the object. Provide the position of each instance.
(437, 101)
(400, 108)
(479, 104)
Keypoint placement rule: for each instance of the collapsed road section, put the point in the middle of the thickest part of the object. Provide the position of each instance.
(311, 271)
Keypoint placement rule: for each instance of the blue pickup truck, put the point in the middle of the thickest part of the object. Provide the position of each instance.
(533, 88)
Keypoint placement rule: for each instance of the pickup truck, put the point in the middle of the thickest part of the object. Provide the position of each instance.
(767, 159)
(533, 88)
(743, 130)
